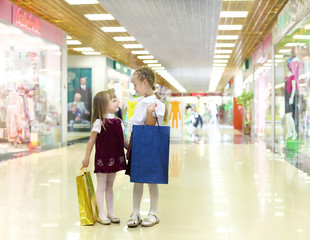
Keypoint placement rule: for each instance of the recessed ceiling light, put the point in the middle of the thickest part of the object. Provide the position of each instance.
(113, 29)
(219, 65)
(220, 61)
(301, 36)
(155, 65)
(230, 27)
(132, 46)
(278, 56)
(285, 50)
(124, 39)
(91, 53)
(77, 2)
(234, 14)
(225, 45)
(160, 71)
(140, 52)
(84, 49)
(223, 51)
(158, 68)
(294, 44)
(145, 57)
(221, 56)
(68, 37)
(150, 61)
(73, 42)
(97, 17)
(227, 37)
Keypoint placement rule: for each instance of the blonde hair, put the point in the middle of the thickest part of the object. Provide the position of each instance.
(101, 105)
(148, 74)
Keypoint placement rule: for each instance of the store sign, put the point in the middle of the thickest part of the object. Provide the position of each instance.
(286, 19)
(28, 21)
(120, 68)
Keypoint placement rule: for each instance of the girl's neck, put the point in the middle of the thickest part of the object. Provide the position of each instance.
(149, 93)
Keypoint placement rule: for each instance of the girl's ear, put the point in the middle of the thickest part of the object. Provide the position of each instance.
(145, 82)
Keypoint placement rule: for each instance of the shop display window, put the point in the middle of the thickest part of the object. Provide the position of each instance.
(292, 89)
(30, 100)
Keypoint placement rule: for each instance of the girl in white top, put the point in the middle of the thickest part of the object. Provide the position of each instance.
(144, 82)
(107, 133)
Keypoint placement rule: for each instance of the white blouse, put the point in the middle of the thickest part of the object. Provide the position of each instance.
(97, 123)
(139, 116)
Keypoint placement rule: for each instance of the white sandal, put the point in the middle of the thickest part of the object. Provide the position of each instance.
(134, 222)
(147, 222)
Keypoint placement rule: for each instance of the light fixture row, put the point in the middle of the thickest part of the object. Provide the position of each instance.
(142, 54)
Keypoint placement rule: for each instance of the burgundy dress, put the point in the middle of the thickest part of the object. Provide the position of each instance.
(109, 156)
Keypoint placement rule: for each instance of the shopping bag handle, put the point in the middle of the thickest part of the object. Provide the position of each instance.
(83, 170)
(156, 119)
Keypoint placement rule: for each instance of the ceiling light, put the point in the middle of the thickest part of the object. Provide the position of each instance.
(232, 14)
(294, 44)
(225, 45)
(145, 57)
(113, 29)
(91, 53)
(230, 27)
(150, 61)
(223, 51)
(284, 50)
(221, 56)
(73, 42)
(279, 60)
(219, 64)
(77, 2)
(68, 37)
(124, 39)
(278, 56)
(301, 37)
(158, 68)
(132, 46)
(227, 37)
(220, 61)
(173, 82)
(96, 17)
(155, 65)
(140, 52)
(84, 49)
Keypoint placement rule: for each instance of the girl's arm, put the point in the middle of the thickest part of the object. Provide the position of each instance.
(89, 148)
(150, 120)
(125, 144)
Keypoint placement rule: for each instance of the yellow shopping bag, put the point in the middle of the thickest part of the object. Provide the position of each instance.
(87, 198)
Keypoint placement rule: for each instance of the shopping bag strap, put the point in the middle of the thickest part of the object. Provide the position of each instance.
(156, 119)
(83, 171)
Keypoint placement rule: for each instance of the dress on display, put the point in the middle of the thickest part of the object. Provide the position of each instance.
(291, 108)
(15, 117)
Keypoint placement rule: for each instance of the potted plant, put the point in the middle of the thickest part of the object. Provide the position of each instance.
(245, 99)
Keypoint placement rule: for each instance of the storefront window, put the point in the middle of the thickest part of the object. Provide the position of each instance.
(292, 89)
(30, 101)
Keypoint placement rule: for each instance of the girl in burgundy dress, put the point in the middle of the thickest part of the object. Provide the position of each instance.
(107, 133)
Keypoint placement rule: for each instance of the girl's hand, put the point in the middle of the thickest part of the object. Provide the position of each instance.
(85, 163)
(151, 108)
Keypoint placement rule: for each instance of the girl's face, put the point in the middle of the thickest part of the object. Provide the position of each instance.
(140, 86)
(113, 106)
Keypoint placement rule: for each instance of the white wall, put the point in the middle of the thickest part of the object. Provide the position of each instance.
(99, 70)
(64, 91)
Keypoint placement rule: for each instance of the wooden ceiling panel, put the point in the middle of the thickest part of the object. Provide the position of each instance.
(71, 19)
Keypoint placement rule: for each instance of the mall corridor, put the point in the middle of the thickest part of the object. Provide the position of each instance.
(218, 191)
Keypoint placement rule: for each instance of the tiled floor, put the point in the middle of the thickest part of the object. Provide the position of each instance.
(216, 190)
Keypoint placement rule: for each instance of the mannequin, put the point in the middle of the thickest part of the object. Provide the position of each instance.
(291, 97)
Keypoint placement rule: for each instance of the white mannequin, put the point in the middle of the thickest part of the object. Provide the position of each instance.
(290, 123)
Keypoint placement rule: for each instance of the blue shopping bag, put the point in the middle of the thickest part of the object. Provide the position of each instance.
(150, 154)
